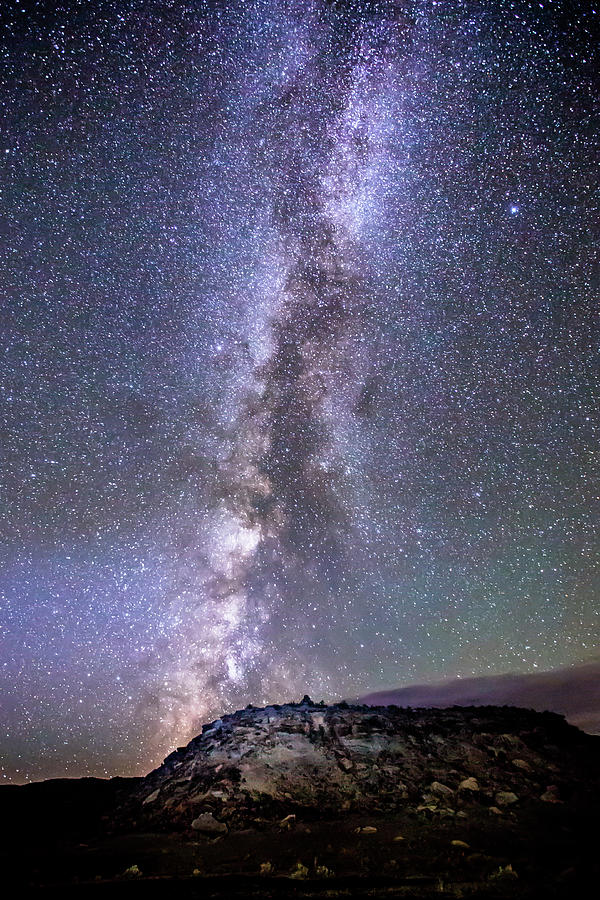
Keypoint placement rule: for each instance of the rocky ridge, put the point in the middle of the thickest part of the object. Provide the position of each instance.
(303, 761)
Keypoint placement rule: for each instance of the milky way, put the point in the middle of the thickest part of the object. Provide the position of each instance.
(300, 373)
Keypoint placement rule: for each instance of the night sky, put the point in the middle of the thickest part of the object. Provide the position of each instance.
(299, 376)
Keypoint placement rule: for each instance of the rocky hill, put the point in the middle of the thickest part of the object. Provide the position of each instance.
(308, 800)
(309, 760)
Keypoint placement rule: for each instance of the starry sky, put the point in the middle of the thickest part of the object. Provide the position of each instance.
(299, 384)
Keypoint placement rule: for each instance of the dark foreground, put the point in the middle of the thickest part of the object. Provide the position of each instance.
(551, 853)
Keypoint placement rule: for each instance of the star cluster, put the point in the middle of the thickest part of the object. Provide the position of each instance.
(300, 358)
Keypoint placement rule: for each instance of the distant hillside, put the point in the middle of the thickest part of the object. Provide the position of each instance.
(572, 692)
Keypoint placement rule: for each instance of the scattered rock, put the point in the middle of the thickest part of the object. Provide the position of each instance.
(366, 829)
(207, 824)
(504, 873)
(132, 872)
(505, 798)
(152, 797)
(446, 813)
(550, 795)
(324, 872)
(521, 764)
(288, 822)
(469, 784)
(399, 837)
(460, 844)
(300, 871)
(442, 790)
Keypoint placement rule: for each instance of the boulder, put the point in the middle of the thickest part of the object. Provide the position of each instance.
(469, 784)
(207, 824)
(442, 790)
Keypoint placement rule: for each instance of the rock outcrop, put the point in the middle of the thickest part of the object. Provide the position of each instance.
(313, 760)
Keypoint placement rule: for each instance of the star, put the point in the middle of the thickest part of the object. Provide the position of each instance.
(299, 361)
